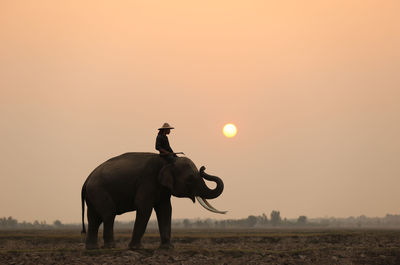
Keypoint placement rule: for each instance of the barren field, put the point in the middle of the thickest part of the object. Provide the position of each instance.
(208, 247)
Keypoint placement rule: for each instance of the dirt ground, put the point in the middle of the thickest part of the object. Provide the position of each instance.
(208, 247)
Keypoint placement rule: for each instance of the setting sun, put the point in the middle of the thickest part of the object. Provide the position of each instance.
(229, 130)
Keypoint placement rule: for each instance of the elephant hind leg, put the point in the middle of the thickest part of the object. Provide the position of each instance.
(94, 221)
(106, 209)
(108, 233)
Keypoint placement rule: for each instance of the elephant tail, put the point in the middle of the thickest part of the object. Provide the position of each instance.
(83, 192)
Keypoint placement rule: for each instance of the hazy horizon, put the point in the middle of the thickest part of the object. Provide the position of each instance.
(313, 88)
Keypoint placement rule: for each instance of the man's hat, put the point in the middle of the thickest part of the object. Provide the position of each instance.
(166, 126)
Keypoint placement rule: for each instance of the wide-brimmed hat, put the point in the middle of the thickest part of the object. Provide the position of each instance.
(166, 126)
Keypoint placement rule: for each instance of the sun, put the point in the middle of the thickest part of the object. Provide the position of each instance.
(229, 130)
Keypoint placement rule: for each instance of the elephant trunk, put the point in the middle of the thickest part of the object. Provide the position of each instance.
(207, 193)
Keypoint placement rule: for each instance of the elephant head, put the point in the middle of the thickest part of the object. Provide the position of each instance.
(184, 180)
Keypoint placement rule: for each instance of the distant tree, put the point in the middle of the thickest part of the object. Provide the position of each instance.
(221, 224)
(25, 224)
(57, 223)
(392, 219)
(275, 218)
(251, 221)
(186, 223)
(8, 222)
(262, 219)
(302, 220)
(203, 223)
(325, 222)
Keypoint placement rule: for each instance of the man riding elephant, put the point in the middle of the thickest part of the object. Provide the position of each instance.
(143, 182)
(162, 143)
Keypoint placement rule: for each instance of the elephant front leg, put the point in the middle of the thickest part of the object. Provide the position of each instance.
(164, 213)
(142, 218)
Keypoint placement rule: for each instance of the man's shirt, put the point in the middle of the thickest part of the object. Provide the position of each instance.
(163, 143)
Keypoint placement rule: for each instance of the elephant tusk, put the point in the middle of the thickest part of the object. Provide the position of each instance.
(217, 211)
(208, 206)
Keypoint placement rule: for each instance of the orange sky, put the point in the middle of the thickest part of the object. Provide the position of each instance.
(313, 87)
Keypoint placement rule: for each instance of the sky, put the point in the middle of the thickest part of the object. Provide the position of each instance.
(312, 86)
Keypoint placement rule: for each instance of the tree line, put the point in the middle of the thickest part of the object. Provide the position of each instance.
(252, 221)
(275, 220)
(10, 223)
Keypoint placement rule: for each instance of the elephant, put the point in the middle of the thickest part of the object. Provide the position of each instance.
(141, 182)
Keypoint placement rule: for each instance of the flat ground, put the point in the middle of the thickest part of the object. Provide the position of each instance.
(208, 247)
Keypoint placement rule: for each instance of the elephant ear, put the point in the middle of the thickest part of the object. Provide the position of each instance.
(166, 178)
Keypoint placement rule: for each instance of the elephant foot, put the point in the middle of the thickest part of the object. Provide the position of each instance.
(166, 246)
(109, 245)
(135, 246)
(91, 246)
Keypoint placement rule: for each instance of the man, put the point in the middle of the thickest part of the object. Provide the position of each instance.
(162, 143)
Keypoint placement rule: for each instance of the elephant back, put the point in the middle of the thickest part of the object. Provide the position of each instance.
(131, 163)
